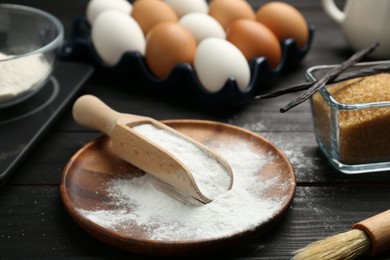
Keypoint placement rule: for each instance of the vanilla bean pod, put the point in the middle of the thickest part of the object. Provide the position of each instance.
(361, 72)
(333, 73)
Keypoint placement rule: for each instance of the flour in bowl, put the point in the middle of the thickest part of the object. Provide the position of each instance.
(20, 75)
(137, 202)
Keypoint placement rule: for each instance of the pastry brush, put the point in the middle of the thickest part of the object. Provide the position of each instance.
(368, 237)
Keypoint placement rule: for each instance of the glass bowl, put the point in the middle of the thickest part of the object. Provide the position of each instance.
(355, 138)
(30, 41)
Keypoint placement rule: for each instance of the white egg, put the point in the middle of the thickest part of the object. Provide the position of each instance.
(217, 60)
(202, 26)
(114, 33)
(182, 7)
(95, 7)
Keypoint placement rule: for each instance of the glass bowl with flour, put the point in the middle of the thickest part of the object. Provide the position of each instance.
(30, 40)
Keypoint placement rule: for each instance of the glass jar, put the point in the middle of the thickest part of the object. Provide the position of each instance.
(355, 137)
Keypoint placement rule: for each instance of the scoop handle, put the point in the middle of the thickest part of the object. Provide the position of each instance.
(378, 229)
(91, 112)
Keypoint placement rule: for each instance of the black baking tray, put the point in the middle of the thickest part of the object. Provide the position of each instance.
(24, 123)
(182, 82)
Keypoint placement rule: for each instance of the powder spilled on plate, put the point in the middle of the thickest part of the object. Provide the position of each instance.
(161, 217)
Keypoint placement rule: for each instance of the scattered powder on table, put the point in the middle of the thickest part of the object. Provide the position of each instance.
(137, 202)
(20, 75)
(210, 177)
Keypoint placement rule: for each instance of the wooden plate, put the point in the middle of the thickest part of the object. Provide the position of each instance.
(88, 174)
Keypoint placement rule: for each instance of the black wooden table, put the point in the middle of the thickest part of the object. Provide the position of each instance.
(34, 222)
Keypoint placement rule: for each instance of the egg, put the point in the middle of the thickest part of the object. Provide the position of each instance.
(113, 33)
(169, 44)
(202, 26)
(95, 7)
(217, 60)
(227, 11)
(284, 21)
(182, 7)
(255, 40)
(149, 13)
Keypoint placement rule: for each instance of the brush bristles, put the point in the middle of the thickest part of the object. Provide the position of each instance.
(348, 245)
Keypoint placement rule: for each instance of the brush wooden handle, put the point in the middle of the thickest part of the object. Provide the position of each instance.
(378, 229)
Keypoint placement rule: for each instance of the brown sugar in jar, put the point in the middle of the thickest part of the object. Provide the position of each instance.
(356, 133)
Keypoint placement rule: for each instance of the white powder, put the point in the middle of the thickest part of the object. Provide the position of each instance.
(138, 204)
(210, 177)
(20, 75)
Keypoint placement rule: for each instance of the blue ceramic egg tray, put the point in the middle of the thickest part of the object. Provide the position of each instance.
(182, 82)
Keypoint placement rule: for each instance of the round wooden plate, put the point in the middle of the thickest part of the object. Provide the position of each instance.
(88, 174)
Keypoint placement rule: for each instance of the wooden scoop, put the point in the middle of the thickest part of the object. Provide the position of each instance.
(134, 148)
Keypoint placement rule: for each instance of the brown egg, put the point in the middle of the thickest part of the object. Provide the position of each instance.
(255, 40)
(284, 21)
(227, 11)
(169, 44)
(149, 13)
